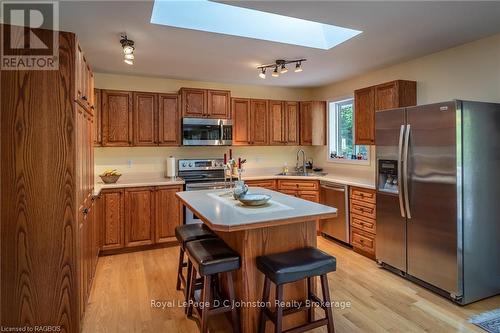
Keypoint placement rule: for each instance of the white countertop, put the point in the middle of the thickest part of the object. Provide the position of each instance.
(221, 212)
(137, 180)
(351, 181)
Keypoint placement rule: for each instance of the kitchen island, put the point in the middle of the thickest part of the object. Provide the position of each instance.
(284, 224)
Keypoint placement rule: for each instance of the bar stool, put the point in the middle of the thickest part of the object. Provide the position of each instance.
(209, 258)
(184, 234)
(291, 266)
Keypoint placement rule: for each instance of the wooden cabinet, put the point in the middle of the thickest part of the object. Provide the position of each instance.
(117, 118)
(363, 220)
(203, 103)
(250, 119)
(312, 123)
(270, 184)
(97, 117)
(145, 112)
(367, 101)
(305, 189)
(84, 81)
(283, 123)
(169, 120)
(139, 216)
(218, 104)
(169, 213)
(112, 224)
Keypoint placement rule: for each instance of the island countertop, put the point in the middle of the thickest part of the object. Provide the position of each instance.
(221, 212)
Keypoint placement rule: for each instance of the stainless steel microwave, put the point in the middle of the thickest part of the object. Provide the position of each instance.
(207, 132)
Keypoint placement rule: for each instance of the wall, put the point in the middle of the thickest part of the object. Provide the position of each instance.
(469, 71)
(152, 159)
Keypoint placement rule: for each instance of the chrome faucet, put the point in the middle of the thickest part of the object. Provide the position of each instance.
(303, 167)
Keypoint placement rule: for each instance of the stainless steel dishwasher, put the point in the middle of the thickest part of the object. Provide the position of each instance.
(336, 195)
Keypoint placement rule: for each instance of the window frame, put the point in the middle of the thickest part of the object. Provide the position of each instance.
(329, 159)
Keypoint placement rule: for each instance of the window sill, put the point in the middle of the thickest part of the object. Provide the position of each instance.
(346, 161)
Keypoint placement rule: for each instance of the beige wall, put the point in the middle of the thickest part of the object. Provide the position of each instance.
(470, 71)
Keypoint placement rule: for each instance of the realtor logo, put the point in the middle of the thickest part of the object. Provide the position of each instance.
(29, 35)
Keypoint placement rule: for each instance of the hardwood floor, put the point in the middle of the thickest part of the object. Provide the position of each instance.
(380, 301)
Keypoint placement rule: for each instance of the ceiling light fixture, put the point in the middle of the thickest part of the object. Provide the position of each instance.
(281, 64)
(262, 74)
(128, 49)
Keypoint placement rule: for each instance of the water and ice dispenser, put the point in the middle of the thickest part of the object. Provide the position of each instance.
(388, 176)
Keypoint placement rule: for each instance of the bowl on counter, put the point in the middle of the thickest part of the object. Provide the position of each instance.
(254, 199)
(110, 179)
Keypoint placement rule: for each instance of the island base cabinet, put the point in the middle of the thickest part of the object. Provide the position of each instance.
(249, 281)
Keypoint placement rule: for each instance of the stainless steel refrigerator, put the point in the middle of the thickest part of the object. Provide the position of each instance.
(438, 196)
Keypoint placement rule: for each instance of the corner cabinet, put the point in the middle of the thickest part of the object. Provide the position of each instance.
(367, 101)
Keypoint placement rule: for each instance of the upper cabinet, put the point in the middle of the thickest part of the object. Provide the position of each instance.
(144, 122)
(168, 120)
(203, 103)
(84, 81)
(283, 123)
(312, 123)
(97, 117)
(250, 119)
(116, 118)
(384, 96)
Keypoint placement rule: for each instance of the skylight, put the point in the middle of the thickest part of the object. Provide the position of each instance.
(220, 18)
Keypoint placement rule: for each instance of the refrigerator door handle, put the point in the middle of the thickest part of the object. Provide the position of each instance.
(400, 157)
(405, 171)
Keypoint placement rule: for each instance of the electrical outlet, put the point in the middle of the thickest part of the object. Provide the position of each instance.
(129, 163)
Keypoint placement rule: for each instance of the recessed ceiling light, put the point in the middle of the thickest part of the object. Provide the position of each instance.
(226, 19)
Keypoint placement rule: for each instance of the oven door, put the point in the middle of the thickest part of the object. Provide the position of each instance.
(190, 216)
(206, 132)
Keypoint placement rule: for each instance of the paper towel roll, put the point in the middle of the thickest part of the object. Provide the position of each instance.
(171, 167)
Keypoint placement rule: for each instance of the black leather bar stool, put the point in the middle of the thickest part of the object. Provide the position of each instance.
(209, 258)
(291, 266)
(184, 234)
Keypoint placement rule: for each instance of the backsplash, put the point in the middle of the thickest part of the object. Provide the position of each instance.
(153, 159)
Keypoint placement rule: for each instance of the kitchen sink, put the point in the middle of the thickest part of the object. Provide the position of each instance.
(303, 174)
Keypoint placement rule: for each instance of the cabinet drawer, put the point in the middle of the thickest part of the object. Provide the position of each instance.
(363, 241)
(300, 185)
(363, 223)
(265, 183)
(363, 208)
(363, 195)
(309, 195)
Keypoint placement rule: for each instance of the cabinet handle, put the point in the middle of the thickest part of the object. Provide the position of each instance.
(84, 98)
(85, 211)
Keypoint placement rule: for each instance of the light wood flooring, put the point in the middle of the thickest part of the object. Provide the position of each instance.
(125, 284)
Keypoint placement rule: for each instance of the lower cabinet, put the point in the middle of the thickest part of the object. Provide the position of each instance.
(304, 189)
(270, 184)
(363, 221)
(139, 216)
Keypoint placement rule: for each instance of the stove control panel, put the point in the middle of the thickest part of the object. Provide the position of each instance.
(201, 164)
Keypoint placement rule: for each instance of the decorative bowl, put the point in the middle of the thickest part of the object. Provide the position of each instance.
(110, 179)
(254, 199)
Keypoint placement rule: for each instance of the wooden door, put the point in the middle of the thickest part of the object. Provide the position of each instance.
(258, 122)
(364, 116)
(291, 132)
(277, 123)
(306, 123)
(116, 118)
(144, 123)
(218, 104)
(169, 120)
(386, 96)
(194, 102)
(169, 213)
(241, 121)
(139, 216)
(97, 117)
(112, 224)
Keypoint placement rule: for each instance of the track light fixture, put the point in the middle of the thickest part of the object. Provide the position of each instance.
(128, 49)
(281, 65)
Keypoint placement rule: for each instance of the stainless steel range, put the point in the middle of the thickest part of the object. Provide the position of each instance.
(201, 174)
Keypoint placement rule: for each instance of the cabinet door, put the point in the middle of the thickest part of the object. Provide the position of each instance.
(116, 118)
(112, 223)
(309, 195)
(306, 123)
(194, 102)
(139, 216)
(386, 96)
(277, 125)
(144, 124)
(97, 117)
(169, 213)
(258, 122)
(364, 116)
(241, 121)
(218, 104)
(169, 120)
(291, 132)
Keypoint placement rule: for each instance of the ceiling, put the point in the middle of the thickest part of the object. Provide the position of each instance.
(392, 32)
